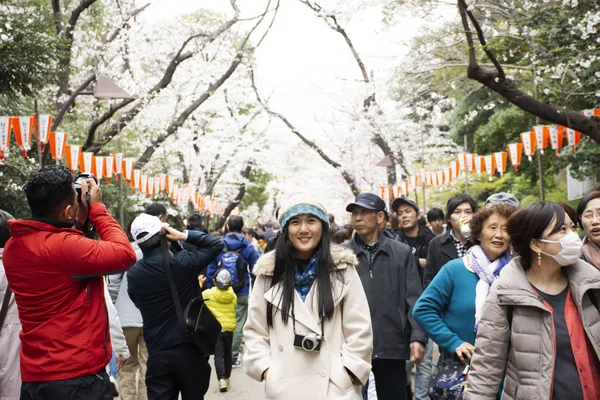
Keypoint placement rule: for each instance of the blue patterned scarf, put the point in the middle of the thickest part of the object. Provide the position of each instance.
(304, 280)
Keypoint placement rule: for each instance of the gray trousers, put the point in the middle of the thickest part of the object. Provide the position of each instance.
(241, 314)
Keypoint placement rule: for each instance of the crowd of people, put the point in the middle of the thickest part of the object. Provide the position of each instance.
(508, 295)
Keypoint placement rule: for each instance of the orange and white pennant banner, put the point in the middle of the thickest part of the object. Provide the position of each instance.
(86, 159)
(144, 184)
(109, 168)
(596, 112)
(556, 138)
(4, 136)
(382, 192)
(490, 166)
(174, 190)
(440, 178)
(500, 161)
(588, 113)
(528, 140)
(135, 182)
(479, 164)
(169, 186)
(405, 188)
(150, 186)
(454, 169)
(157, 180)
(98, 169)
(541, 136)
(462, 161)
(428, 180)
(57, 144)
(447, 175)
(128, 169)
(515, 151)
(163, 182)
(573, 138)
(117, 164)
(470, 162)
(45, 122)
(23, 127)
(414, 182)
(72, 154)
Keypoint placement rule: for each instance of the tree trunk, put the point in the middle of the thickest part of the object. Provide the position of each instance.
(236, 201)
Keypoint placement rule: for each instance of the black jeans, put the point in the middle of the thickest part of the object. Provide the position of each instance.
(182, 368)
(89, 387)
(223, 355)
(390, 379)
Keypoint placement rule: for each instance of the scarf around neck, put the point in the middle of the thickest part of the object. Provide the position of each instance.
(591, 252)
(304, 280)
(477, 262)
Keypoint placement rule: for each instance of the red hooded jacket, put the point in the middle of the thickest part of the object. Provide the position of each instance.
(65, 330)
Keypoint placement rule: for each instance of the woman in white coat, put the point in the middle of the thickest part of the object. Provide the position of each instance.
(308, 333)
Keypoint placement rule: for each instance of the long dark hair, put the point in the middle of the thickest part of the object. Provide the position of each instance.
(285, 271)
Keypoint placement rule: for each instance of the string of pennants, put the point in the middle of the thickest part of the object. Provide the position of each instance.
(540, 137)
(103, 167)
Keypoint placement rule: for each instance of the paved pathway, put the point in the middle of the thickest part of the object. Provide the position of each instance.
(242, 387)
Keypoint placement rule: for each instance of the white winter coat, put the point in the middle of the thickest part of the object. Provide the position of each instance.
(10, 345)
(129, 314)
(117, 337)
(298, 374)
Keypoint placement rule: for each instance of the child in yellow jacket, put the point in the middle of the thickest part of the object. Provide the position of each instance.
(221, 301)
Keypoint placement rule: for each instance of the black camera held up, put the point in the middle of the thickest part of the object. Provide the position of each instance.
(85, 228)
(80, 178)
(308, 341)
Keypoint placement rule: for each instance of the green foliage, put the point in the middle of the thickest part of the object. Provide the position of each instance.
(257, 190)
(28, 48)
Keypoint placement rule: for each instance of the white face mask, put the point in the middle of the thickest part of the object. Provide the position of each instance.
(571, 249)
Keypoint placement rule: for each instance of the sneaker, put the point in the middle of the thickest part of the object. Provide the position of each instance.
(223, 385)
(236, 364)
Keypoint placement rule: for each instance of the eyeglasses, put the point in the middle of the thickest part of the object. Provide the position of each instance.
(590, 214)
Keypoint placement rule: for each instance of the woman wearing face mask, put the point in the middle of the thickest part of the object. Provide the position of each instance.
(540, 328)
(588, 212)
(308, 333)
(449, 309)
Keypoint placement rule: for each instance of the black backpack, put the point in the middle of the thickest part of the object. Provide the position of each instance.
(232, 261)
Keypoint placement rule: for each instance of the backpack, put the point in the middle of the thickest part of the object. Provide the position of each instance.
(233, 262)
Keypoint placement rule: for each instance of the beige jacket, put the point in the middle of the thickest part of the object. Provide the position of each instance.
(526, 352)
(298, 374)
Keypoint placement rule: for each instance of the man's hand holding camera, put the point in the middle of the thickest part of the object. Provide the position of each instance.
(88, 186)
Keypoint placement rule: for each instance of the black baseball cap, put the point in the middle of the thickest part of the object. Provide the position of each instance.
(369, 201)
(403, 200)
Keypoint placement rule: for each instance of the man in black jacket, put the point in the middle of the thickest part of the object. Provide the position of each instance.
(417, 238)
(388, 272)
(452, 244)
(174, 363)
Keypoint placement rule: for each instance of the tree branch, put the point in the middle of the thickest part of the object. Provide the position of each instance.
(237, 200)
(347, 177)
(508, 89)
(65, 106)
(94, 145)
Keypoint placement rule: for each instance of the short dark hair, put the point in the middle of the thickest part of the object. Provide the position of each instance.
(340, 236)
(570, 211)
(482, 215)
(4, 231)
(195, 220)
(331, 217)
(235, 223)
(156, 209)
(150, 244)
(529, 223)
(435, 214)
(457, 200)
(268, 225)
(583, 204)
(49, 190)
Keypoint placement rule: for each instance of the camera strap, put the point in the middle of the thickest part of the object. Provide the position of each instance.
(4, 309)
(294, 323)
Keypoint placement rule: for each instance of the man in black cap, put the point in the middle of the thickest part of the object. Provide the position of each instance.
(417, 238)
(389, 275)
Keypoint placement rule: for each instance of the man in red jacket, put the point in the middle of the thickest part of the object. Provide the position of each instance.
(65, 342)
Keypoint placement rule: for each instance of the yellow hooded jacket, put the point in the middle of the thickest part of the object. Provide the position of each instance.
(222, 303)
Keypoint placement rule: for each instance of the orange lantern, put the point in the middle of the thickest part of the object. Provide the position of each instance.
(573, 138)
(86, 160)
(515, 151)
(541, 133)
(490, 165)
(109, 168)
(72, 155)
(57, 144)
(528, 140)
(500, 161)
